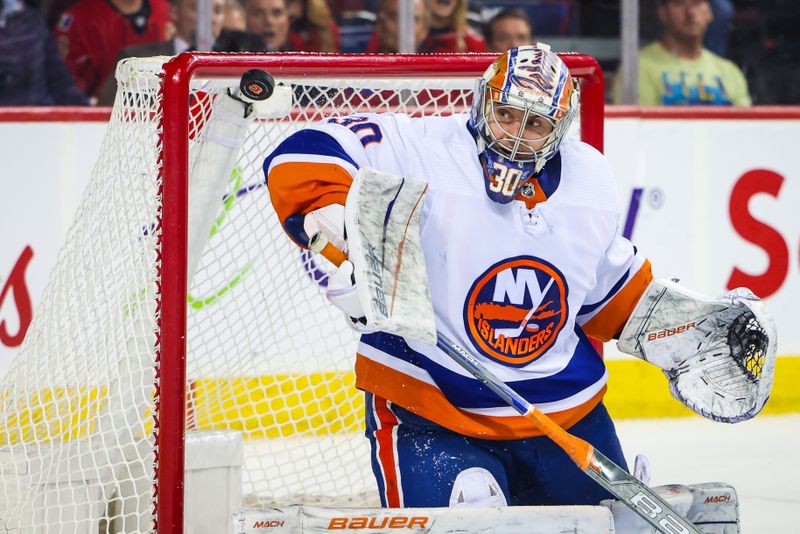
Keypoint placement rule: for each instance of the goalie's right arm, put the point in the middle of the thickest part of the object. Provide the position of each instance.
(308, 171)
(309, 176)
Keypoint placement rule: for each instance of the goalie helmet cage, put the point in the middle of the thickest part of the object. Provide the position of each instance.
(121, 360)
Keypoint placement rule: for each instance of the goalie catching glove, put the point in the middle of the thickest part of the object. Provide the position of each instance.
(717, 353)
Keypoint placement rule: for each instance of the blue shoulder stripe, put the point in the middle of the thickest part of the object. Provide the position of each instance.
(309, 142)
(588, 308)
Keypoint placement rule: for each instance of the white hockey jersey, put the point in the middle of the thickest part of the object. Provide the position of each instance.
(519, 285)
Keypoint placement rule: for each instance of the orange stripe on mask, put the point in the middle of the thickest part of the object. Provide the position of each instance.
(566, 95)
(612, 317)
(429, 402)
(297, 188)
(499, 79)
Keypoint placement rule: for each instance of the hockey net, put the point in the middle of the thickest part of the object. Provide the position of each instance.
(121, 359)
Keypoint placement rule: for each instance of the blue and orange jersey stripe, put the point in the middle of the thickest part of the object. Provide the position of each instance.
(307, 171)
(610, 316)
(428, 401)
(389, 368)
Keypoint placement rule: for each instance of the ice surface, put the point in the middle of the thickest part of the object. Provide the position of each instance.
(756, 457)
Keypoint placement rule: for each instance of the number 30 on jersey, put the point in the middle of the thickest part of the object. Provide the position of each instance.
(504, 180)
(367, 132)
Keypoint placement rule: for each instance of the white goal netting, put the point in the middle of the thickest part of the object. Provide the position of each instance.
(81, 406)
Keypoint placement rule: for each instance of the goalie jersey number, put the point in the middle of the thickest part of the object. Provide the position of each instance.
(367, 132)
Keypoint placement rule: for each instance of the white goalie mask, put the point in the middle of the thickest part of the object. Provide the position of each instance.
(523, 107)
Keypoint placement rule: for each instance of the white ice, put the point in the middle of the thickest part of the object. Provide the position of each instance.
(756, 457)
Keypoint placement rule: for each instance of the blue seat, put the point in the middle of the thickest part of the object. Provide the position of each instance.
(548, 18)
(355, 29)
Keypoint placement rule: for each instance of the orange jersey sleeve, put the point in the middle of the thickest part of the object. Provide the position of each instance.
(611, 318)
(307, 171)
(622, 277)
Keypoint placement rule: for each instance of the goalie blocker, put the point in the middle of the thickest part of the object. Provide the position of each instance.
(717, 353)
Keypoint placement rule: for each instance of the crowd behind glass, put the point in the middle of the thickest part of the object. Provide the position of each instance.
(693, 52)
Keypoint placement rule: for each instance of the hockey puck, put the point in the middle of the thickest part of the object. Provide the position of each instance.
(257, 84)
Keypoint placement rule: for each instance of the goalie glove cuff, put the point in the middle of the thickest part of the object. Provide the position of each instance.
(342, 292)
(329, 220)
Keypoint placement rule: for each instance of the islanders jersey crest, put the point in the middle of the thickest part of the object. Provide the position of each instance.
(515, 310)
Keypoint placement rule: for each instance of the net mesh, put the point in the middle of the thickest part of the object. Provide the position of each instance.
(265, 355)
(749, 343)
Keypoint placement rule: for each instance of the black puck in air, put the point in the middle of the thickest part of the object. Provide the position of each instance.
(257, 84)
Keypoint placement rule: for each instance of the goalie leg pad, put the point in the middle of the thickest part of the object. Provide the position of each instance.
(713, 507)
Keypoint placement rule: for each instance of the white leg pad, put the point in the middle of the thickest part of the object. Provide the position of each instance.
(506, 520)
(713, 506)
(476, 487)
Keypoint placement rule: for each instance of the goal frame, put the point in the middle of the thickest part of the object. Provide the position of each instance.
(173, 171)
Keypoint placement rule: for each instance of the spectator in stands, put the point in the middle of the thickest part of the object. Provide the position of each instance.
(235, 18)
(92, 33)
(343, 6)
(384, 38)
(54, 9)
(270, 20)
(238, 41)
(449, 29)
(184, 17)
(183, 14)
(508, 29)
(234, 36)
(677, 70)
(312, 22)
(766, 44)
(31, 71)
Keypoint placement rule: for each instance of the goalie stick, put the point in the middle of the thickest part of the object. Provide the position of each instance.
(640, 498)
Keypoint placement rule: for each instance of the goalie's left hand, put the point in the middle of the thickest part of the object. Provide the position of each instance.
(718, 353)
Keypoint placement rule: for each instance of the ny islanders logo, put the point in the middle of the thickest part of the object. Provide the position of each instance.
(515, 310)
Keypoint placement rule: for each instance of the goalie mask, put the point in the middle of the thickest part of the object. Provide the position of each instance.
(522, 109)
